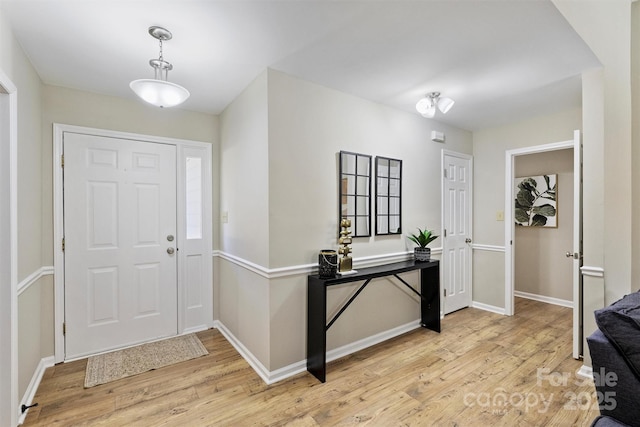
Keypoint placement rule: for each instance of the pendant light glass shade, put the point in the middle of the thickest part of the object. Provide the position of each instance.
(427, 105)
(158, 91)
(445, 104)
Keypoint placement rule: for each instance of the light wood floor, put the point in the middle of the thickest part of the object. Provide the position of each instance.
(482, 370)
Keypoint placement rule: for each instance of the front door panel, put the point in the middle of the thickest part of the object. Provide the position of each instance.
(119, 208)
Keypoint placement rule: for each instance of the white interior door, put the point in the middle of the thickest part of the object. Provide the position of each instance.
(577, 246)
(456, 252)
(120, 227)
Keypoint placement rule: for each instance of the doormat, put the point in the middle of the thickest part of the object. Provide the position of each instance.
(115, 365)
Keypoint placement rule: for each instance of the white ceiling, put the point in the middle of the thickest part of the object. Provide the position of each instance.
(500, 61)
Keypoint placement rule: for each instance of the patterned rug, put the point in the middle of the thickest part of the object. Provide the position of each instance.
(107, 367)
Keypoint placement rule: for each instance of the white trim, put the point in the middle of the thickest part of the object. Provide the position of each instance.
(488, 248)
(304, 269)
(585, 372)
(9, 293)
(58, 223)
(587, 270)
(487, 307)
(34, 277)
(544, 298)
(509, 223)
(30, 392)
(253, 361)
(58, 254)
(270, 377)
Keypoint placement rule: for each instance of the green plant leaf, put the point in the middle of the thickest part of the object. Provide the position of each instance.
(521, 215)
(423, 238)
(545, 210)
(528, 184)
(525, 198)
(538, 221)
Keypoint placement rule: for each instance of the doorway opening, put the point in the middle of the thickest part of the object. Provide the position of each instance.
(573, 235)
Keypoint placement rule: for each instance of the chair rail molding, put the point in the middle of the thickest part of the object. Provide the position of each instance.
(591, 271)
(304, 269)
(34, 277)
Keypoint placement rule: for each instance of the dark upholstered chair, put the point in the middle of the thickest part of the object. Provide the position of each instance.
(615, 353)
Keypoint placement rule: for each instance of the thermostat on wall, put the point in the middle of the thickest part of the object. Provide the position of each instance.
(437, 136)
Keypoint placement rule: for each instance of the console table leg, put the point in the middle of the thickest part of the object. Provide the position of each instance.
(316, 329)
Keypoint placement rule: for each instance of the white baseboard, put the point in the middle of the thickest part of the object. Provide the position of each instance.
(27, 399)
(585, 372)
(288, 371)
(244, 352)
(487, 307)
(545, 299)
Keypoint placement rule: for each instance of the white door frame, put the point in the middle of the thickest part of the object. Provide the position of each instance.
(468, 157)
(9, 411)
(58, 223)
(509, 231)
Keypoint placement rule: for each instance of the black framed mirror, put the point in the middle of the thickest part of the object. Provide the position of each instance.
(388, 196)
(355, 192)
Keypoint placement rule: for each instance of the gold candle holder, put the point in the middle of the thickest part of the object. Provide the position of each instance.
(346, 263)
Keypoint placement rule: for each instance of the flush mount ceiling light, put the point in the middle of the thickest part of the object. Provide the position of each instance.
(158, 91)
(427, 105)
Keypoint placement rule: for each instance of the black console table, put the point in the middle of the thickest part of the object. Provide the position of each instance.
(317, 325)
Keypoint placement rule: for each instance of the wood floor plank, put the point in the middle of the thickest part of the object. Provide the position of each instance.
(478, 372)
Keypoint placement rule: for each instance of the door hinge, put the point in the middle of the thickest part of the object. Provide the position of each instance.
(445, 232)
(64, 328)
(445, 292)
(445, 173)
(62, 161)
(63, 244)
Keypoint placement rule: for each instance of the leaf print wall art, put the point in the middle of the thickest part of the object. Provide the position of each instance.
(536, 201)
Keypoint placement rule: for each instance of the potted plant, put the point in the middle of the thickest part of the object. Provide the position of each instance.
(422, 239)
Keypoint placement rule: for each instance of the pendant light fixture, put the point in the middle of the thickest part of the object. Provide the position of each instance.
(158, 91)
(427, 105)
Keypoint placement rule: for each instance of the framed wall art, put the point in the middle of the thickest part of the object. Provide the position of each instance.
(536, 201)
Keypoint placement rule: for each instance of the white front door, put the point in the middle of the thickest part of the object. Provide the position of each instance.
(456, 248)
(120, 239)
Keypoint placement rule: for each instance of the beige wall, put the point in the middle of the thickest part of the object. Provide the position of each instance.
(541, 267)
(32, 344)
(611, 205)
(606, 28)
(489, 147)
(244, 176)
(243, 301)
(74, 107)
(307, 126)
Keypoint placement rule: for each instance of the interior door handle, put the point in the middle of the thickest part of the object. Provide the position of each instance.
(170, 251)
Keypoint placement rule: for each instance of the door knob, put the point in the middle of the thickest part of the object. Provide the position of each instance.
(569, 254)
(170, 237)
(467, 240)
(170, 251)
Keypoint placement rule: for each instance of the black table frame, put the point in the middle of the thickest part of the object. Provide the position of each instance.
(317, 304)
